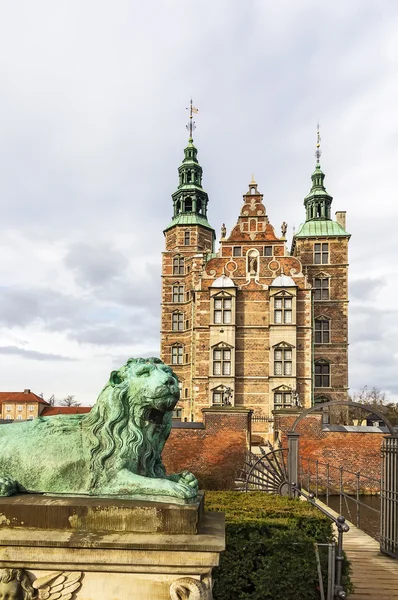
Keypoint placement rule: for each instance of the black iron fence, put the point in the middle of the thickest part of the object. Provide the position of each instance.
(389, 497)
(350, 487)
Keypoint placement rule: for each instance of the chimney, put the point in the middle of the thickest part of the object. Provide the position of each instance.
(340, 217)
(26, 391)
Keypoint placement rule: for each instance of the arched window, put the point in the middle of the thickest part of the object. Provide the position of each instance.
(178, 293)
(222, 357)
(188, 204)
(177, 321)
(177, 352)
(178, 265)
(322, 330)
(322, 373)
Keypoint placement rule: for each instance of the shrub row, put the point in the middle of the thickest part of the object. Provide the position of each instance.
(270, 547)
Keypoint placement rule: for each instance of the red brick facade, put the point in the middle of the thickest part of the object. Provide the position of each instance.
(213, 450)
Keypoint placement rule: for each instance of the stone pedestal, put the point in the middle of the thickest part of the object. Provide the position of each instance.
(123, 549)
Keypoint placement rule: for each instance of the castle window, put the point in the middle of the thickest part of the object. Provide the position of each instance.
(177, 354)
(178, 265)
(283, 310)
(322, 331)
(322, 374)
(223, 310)
(188, 205)
(237, 251)
(178, 293)
(282, 400)
(177, 321)
(283, 361)
(321, 288)
(187, 238)
(222, 361)
(321, 254)
(217, 397)
(267, 250)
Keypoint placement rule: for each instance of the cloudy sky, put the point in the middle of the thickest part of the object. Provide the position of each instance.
(92, 130)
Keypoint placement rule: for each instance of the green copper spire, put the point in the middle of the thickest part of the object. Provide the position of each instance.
(190, 200)
(318, 202)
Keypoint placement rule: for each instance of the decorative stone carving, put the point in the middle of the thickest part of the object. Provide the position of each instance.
(223, 230)
(115, 450)
(188, 588)
(18, 584)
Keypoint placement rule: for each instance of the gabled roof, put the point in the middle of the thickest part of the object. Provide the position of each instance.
(50, 411)
(22, 397)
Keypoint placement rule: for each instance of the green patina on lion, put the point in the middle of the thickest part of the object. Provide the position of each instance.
(115, 450)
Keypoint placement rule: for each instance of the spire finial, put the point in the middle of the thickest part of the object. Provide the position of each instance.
(318, 151)
(191, 126)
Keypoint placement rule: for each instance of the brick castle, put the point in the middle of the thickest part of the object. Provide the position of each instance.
(254, 324)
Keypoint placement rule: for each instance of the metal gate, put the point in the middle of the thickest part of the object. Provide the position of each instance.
(389, 481)
(389, 497)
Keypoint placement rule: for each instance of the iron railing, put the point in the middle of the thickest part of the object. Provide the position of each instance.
(323, 479)
(389, 497)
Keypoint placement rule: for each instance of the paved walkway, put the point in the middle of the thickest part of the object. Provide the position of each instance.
(374, 575)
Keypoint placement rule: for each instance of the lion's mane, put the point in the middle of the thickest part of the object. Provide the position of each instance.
(119, 432)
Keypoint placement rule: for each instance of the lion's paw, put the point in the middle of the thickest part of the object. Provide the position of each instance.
(186, 484)
(8, 486)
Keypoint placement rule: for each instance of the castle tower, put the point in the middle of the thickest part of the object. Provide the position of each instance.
(189, 241)
(321, 244)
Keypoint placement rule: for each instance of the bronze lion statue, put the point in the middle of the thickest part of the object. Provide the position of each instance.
(115, 450)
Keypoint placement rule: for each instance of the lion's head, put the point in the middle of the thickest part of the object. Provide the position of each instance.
(131, 420)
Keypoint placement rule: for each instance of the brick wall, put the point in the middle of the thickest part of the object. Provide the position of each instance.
(213, 450)
(354, 449)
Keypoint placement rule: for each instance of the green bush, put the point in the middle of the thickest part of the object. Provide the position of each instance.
(270, 553)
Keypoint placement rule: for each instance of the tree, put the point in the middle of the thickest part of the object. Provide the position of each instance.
(377, 398)
(68, 401)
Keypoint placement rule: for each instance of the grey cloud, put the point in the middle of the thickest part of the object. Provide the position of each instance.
(33, 354)
(95, 264)
(365, 289)
(117, 335)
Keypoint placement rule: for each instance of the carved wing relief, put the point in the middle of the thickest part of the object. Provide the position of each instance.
(58, 585)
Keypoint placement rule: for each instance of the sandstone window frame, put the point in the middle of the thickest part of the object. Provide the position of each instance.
(321, 253)
(321, 287)
(283, 310)
(283, 360)
(177, 320)
(177, 354)
(178, 265)
(283, 399)
(322, 330)
(178, 292)
(221, 360)
(322, 373)
(222, 308)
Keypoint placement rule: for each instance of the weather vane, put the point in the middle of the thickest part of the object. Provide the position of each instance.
(318, 145)
(191, 124)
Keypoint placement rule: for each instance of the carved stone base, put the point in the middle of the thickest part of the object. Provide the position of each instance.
(112, 564)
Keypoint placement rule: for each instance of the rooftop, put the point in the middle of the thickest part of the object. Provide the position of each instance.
(21, 397)
(320, 227)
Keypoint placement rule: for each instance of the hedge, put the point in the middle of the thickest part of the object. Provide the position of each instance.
(270, 552)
